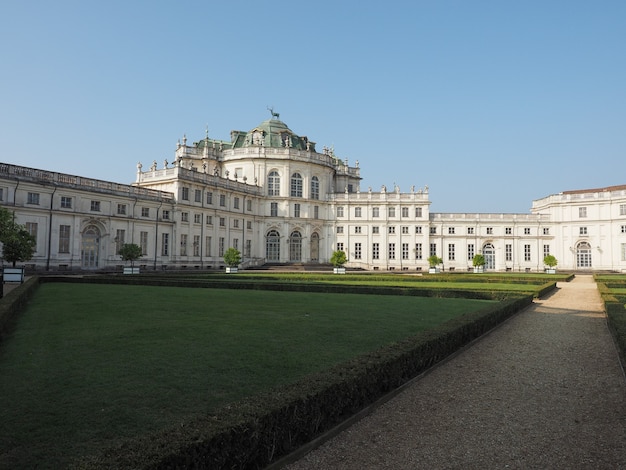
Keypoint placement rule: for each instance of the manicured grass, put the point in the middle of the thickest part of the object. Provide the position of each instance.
(89, 365)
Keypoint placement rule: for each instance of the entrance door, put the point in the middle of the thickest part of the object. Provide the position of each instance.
(295, 246)
(90, 247)
(315, 246)
(272, 247)
(489, 252)
(583, 255)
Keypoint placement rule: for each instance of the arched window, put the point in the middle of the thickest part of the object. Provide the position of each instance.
(489, 252)
(90, 246)
(273, 184)
(296, 185)
(295, 246)
(315, 188)
(272, 246)
(583, 255)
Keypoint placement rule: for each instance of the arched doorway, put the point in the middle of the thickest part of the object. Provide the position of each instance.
(90, 247)
(315, 246)
(489, 252)
(295, 246)
(272, 247)
(583, 255)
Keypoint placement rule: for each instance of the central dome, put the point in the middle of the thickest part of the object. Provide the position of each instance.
(273, 133)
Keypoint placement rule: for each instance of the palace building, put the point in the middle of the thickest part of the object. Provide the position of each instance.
(278, 199)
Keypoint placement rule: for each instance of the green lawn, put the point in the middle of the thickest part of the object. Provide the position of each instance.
(89, 365)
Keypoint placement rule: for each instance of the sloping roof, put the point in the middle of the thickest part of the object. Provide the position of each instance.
(597, 190)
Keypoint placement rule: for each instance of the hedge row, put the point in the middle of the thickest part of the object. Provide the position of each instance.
(13, 303)
(615, 308)
(254, 432)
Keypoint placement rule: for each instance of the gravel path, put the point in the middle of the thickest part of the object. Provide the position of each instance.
(544, 390)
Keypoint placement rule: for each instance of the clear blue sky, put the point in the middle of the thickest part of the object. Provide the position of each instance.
(490, 103)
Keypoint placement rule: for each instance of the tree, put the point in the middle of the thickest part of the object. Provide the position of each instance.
(130, 252)
(17, 243)
(232, 257)
(550, 261)
(434, 261)
(338, 258)
(478, 260)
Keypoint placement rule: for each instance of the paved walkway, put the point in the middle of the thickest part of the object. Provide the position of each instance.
(545, 390)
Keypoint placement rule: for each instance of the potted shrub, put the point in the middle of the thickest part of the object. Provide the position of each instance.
(478, 261)
(18, 245)
(232, 258)
(550, 261)
(338, 259)
(433, 262)
(130, 252)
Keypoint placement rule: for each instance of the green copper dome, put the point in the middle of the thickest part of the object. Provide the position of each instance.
(272, 133)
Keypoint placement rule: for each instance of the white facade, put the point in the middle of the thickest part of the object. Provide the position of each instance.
(269, 193)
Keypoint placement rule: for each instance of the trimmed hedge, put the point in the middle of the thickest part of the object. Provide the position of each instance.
(13, 303)
(257, 431)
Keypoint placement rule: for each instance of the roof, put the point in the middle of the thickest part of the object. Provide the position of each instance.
(597, 190)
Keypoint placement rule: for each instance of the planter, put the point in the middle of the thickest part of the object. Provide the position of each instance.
(339, 270)
(433, 270)
(131, 271)
(13, 275)
(551, 271)
(231, 269)
(479, 269)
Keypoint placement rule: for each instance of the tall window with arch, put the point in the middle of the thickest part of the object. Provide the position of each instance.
(272, 246)
(315, 188)
(296, 185)
(273, 184)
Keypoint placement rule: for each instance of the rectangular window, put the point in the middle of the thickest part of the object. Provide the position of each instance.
(183, 245)
(66, 202)
(583, 231)
(546, 250)
(376, 230)
(209, 220)
(145, 212)
(185, 194)
(526, 252)
(339, 229)
(375, 250)
(1, 194)
(209, 198)
(391, 229)
(582, 212)
(166, 215)
(623, 228)
(184, 216)
(248, 205)
(357, 229)
(375, 211)
(392, 251)
(197, 195)
(197, 218)
(508, 252)
(433, 230)
(222, 222)
(405, 212)
(120, 237)
(235, 223)
(220, 247)
(405, 251)
(316, 212)
(196, 245)
(207, 247)
(143, 242)
(357, 212)
(340, 246)
(433, 249)
(340, 211)
(470, 230)
(404, 229)
(95, 206)
(470, 252)
(418, 229)
(249, 225)
(33, 198)
(489, 230)
(508, 231)
(165, 244)
(623, 251)
(418, 251)
(526, 230)
(236, 243)
(64, 238)
(418, 212)
(450, 230)
(236, 203)
(121, 209)
(296, 210)
(248, 249)
(273, 209)
(622, 209)
(451, 252)
(357, 251)
(391, 211)
(222, 200)
(546, 231)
